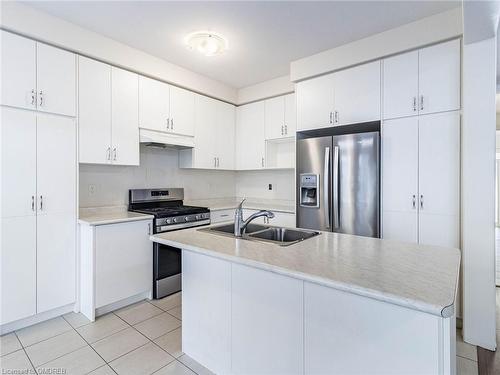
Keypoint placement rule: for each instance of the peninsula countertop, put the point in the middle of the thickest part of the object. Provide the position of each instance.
(418, 277)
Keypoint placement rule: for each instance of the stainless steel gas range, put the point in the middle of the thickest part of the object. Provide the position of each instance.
(166, 205)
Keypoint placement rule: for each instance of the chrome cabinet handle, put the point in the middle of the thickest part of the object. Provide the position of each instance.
(218, 164)
(41, 98)
(172, 123)
(414, 201)
(262, 161)
(168, 123)
(41, 202)
(336, 117)
(32, 203)
(421, 201)
(108, 153)
(215, 162)
(282, 130)
(331, 117)
(33, 97)
(286, 130)
(114, 153)
(326, 187)
(421, 102)
(414, 104)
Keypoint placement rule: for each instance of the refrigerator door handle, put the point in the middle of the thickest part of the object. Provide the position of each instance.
(326, 187)
(335, 201)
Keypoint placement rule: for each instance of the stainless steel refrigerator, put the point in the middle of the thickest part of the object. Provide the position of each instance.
(338, 183)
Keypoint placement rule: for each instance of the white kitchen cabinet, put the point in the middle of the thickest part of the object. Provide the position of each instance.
(357, 94)
(108, 114)
(206, 286)
(94, 111)
(422, 82)
(56, 80)
(124, 117)
(439, 77)
(220, 216)
(154, 104)
(400, 179)
(421, 179)
(263, 302)
(182, 111)
(37, 76)
(123, 261)
(280, 117)
(315, 102)
(281, 219)
(400, 85)
(224, 135)
(250, 136)
(18, 69)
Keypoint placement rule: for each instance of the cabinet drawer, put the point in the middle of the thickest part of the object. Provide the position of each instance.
(220, 216)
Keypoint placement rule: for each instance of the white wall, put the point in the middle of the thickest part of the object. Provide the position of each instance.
(159, 168)
(30, 22)
(254, 184)
(478, 195)
(266, 89)
(416, 34)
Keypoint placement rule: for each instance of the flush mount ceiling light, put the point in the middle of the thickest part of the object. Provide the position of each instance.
(207, 43)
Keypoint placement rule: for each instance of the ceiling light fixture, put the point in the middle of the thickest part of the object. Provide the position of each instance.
(207, 43)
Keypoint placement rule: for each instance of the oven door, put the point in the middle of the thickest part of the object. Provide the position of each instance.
(167, 270)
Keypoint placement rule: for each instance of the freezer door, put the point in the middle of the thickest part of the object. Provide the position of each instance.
(356, 184)
(314, 161)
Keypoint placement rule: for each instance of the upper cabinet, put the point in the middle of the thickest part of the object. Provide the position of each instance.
(250, 136)
(280, 117)
(166, 108)
(423, 81)
(37, 76)
(345, 97)
(108, 114)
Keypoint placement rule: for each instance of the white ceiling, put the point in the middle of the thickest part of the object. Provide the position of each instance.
(264, 37)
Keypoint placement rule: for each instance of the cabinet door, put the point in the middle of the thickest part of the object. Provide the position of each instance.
(315, 100)
(56, 220)
(18, 69)
(119, 247)
(204, 133)
(17, 268)
(439, 77)
(181, 111)
(439, 179)
(154, 98)
(224, 139)
(275, 117)
(250, 136)
(18, 166)
(264, 302)
(124, 117)
(56, 80)
(400, 179)
(290, 115)
(94, 111)
(400, 85)
(357, 94)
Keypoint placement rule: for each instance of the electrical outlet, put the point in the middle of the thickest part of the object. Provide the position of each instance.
(270, 186)
(91, 189)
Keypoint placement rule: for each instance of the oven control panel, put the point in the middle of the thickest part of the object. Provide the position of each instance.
(182, 221)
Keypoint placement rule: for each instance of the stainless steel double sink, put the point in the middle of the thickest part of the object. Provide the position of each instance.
(278, 235)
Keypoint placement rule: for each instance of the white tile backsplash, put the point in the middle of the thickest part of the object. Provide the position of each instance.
(255, 184)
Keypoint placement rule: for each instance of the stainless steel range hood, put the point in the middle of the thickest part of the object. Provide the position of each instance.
(158, 139)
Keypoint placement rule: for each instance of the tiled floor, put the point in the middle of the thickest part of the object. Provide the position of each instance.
(144, 338)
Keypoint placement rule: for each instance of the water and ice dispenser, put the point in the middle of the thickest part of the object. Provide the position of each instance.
(309, 190)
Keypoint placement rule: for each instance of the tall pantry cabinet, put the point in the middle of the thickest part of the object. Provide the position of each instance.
(39, 173)
(421, 146)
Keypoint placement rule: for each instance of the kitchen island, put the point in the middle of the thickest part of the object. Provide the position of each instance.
(332, 304)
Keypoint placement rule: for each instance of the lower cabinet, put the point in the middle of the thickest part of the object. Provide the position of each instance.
(282, 219)
(220, 216)
(116, 264)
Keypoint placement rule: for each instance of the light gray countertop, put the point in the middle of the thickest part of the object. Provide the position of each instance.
(109, 215)
(418, 277)
(215, 204)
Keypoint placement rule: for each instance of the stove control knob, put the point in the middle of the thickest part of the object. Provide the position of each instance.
(174, 220)
(197, 217)
(169, 221)
(186, 218)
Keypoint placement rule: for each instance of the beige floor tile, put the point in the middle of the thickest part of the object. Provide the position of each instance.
(138, 312)
(195, 366)
(79, 362)
(102, 327)
(466, 350)
(9, 343)
(171, 342)
(176, 311)
(16, 363)
(466, 366)
(174, 368)
(142, 361)
(42, 331)
(119, 344)
(76, 320)
(168, 302)
(104, 370)
(55, 347)
(158, 325)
